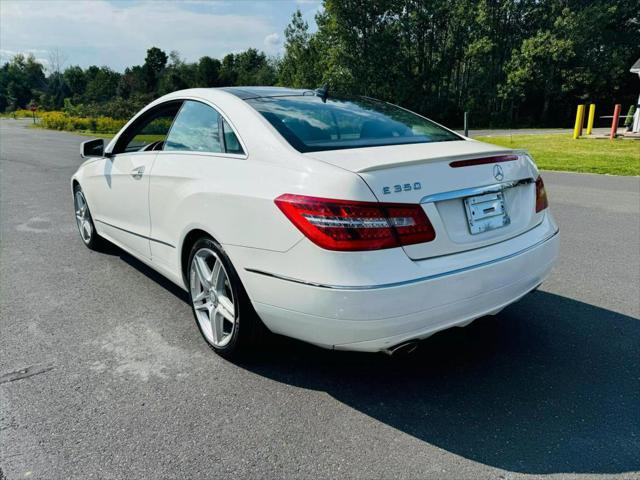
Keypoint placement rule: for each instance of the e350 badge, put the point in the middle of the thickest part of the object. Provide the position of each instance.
(406, 187)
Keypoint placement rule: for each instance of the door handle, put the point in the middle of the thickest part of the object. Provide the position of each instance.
(137, 172)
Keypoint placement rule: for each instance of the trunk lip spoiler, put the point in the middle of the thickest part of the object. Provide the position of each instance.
(470, 192)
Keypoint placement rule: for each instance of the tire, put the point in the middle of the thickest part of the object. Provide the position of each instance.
(217, 295)
(84, 221)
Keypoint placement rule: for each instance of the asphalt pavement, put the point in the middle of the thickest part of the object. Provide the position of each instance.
(103, 373)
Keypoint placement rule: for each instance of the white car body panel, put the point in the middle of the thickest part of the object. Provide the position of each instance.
(363, 300)
(132, 214)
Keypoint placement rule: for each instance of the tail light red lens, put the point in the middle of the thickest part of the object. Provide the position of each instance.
(350, 225)
(541, 195)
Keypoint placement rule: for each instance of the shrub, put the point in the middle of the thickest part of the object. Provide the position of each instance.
(629, 120)
(20, 113)
(108, 125)
(55, 121)
(159, 126)
(62, 121)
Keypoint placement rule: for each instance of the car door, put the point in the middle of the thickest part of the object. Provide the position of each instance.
(192, 176)
(123, 213)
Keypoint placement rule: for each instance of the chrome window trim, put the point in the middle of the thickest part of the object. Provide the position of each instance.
(470, 192)
(205, 153)
(127, 154)
(405, 282)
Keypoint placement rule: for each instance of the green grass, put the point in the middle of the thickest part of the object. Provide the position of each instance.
(561, 152)
(107, 136)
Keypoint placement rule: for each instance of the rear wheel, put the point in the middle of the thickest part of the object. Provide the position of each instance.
(84, 221)
(222, 310)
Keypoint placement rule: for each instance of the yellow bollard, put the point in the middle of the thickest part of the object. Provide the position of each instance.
(592, 114)
(577, 129)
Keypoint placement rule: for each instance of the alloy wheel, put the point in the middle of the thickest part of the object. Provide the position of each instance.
(83, 217)
(212, 297)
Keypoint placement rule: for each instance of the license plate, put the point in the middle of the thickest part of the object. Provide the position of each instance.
(486, 212)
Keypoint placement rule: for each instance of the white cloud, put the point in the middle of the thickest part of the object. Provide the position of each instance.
(272, 40)
(6, 55)
(116, 34)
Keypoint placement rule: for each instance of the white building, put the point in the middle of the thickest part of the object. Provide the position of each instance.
(636, 116)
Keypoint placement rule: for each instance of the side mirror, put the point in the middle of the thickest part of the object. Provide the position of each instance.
(92, 148)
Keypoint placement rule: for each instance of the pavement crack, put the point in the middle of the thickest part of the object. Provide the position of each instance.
(24, 373)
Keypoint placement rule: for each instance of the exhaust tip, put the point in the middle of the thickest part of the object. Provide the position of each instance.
(402, 348)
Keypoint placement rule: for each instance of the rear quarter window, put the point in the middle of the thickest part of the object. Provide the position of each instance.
(195, 129)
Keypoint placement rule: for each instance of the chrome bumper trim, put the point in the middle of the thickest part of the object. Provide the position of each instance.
(405, 282)
(470, 192)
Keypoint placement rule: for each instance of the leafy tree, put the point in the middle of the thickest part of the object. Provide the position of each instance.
(300, 64)
(75, 80)
(252, 68)
(103, 84)
(132, 82)
(228, 75)
(57, 90)
(208, 72)
(154, 64)
(523, 61)
(178, 75)
(538, 68)
(22, 79)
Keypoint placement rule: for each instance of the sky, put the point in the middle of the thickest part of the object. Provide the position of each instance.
(117, 33)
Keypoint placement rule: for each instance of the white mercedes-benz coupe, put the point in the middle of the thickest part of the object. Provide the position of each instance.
(346, 222)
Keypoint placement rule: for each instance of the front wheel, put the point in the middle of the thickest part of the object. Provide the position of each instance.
(222, 309)
(84, 221)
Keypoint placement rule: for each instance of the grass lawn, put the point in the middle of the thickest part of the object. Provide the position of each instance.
(561, 152)
(106, 136)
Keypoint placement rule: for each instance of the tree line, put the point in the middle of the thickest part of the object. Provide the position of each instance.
(101, 91)
(507, 62)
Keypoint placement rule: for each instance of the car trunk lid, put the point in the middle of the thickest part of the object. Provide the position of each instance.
(485, 197)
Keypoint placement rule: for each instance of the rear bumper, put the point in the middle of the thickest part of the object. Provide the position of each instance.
(376, 317)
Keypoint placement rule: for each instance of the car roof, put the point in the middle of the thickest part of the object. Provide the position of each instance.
(246, 93)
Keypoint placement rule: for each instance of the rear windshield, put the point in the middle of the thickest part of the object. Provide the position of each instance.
(310, 125)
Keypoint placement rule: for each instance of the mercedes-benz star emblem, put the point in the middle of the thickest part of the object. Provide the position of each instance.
(498, 174)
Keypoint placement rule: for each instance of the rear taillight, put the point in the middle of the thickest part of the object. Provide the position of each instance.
(350, 225)
(541, 195)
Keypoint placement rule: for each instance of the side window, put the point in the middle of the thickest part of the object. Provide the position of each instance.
(196, 129)
(149, 131)
(231, 142)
